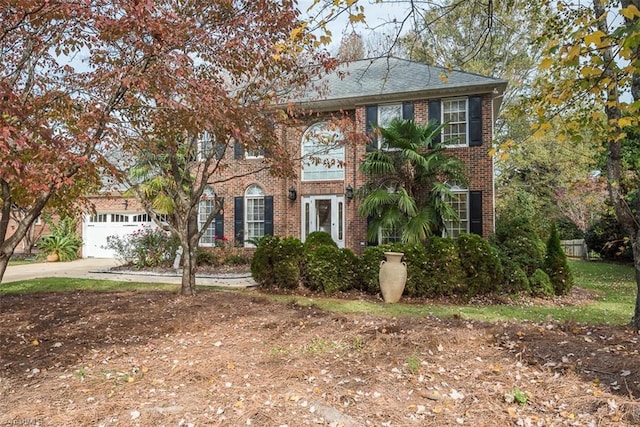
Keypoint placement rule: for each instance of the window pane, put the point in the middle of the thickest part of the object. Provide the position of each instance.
(323, 154)
(209, 236)
(254, 212)
(455, 113)
(459, 203)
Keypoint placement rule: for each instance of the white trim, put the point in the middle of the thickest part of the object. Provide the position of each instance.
(247, 198)
(337, 224)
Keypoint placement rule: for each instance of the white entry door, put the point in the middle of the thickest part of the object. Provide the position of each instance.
(324, 213)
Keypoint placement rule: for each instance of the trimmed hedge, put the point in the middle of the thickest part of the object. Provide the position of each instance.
(276, 262)
(481, 264)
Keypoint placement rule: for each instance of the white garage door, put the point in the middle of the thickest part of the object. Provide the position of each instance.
(96, 229)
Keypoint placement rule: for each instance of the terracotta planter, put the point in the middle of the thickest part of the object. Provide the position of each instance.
(53, 257)
(393, 277)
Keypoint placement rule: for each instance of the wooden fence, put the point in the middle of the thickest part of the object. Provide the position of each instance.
(576, 248)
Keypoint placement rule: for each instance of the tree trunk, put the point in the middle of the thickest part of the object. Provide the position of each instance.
(190, 248)
(4, 261)
(635, 321)
(617, 191)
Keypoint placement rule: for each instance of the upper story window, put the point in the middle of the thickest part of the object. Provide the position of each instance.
(454, 114)
(463, 118)
(205, 145)
(322, 153)
(381, 116)
(257, 153)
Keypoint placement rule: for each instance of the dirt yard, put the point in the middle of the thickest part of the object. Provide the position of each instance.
(238, 359)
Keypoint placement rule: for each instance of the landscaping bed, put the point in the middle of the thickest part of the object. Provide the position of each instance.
(231, 358)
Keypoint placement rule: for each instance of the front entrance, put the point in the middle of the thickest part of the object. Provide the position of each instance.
(324, 213)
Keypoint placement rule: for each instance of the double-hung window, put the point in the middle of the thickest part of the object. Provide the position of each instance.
(459, 202)
(454, 114)
(322, 153)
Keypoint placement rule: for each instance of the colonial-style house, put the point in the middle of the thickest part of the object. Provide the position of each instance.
(372, 92)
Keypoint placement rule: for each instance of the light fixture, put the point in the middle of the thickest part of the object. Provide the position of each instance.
(125, 203)
(349, 192)
(292, 193)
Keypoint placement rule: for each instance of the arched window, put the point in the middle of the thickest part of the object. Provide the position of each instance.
(254, 212)
(322, 153)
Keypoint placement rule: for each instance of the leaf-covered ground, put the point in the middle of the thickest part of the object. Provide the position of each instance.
(237, 359)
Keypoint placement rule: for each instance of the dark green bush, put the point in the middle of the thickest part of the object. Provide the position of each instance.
(443, 274)
(276, 262)
(568, 229)
(540, 284)
(514, 279)
(481, 264)
(318, 238)
(415, 256)
(607, 238)
(556, 266)
(517, 240)
(330, 269)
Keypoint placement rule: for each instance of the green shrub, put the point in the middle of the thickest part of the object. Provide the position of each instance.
(276, 262)
(540, 284)
(330, 269)
(481, 264)
(145, 247)
(517, 240)
(415, 256)
(556, 266)
(568, 229)
(318, 238)
(608, 239)
(514, 279)
(443, 273)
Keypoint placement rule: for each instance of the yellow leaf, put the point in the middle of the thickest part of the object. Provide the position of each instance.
(145, 369)
(351, 2)
(437, 410)
(231, 366)
(35, 342)
(545, 64)
(595, 38)
(574, 52)
(130, 379)
(630, 12)
(239, 404)
(492, 152)
(356, 18)
(625, 121)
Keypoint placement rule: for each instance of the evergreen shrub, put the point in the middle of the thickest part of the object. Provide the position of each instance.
(517, 240)
(481, 264)
(276, 262)
(556, 266)
(540, 284)
(443, 274)
(330, 269)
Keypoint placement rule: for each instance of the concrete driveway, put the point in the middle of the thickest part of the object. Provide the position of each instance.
(98, 268)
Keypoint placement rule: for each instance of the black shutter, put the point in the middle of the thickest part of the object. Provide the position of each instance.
(268, 215)
(475, 121)
(371, 122)
(238, 220)
(238, 151)
(475, 212)
(220, 149)
(219, 218)
(435, 115)
(373, 242)
(407, 111)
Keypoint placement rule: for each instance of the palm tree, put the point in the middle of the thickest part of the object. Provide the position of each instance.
(407, 189)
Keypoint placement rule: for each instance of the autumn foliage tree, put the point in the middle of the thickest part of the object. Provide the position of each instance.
(591, 71)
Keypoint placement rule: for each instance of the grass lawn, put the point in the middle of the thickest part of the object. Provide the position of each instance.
(613, 304)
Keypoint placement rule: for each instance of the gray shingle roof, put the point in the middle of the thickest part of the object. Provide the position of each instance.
(392, 79)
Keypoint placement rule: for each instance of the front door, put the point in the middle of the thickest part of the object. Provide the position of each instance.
(324, 213)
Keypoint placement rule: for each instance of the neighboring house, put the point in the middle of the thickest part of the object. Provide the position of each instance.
(372, 92)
